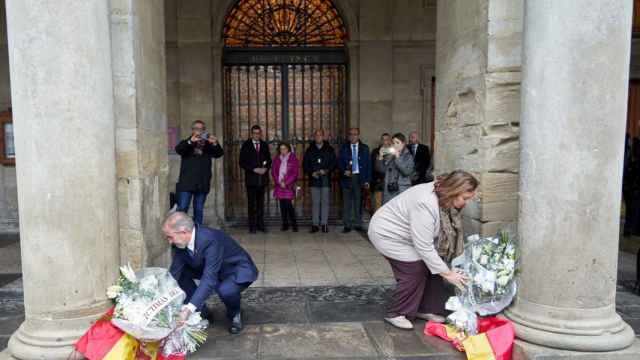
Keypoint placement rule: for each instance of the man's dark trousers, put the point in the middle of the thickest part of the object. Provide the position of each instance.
(352, 201)
(228, 291)
(255, 200)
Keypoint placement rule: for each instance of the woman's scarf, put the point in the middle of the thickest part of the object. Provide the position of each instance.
(451, 238)
(282, 172)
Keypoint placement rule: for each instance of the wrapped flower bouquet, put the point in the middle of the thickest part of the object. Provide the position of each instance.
(490, 263)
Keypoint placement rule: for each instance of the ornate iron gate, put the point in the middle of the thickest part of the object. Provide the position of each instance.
(289, 101)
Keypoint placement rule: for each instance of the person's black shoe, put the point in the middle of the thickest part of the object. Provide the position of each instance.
(263, 229)
(346, 230)
(358, 228)
(236, 324)
(252, 230)
(284, 228)
(294, 228)
(314, 229)
(325, 228)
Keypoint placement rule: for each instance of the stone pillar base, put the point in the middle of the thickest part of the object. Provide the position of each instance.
(48, 339)
(526, 351)
(600, 329)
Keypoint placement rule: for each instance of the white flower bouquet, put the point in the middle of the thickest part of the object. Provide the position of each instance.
(148, 303)
(490, 263)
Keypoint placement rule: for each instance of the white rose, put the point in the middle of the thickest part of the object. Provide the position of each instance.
(503, 280)
(484, 259)
(113, 291)
(128, 273)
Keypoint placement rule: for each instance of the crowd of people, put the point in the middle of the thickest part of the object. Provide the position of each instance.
(391, 168)
(416, 225)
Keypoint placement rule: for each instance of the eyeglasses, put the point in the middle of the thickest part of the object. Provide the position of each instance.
(198, 128)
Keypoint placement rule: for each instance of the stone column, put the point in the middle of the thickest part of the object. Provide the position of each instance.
(61, 83)
(574, 103)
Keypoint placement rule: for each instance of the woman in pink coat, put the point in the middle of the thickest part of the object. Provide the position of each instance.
(284, 170)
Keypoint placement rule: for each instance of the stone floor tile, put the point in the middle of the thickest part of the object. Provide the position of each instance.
(320, 312)
(391, 341)
(350, 271)
(315, 341)
(221, 345)
(271, 282)
(349, 281)
(276, 314)
(10, 261)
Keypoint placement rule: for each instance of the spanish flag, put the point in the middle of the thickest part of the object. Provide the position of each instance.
(493, 342)
(104, 341)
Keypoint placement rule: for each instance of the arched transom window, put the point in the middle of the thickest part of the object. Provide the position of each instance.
(284, 23)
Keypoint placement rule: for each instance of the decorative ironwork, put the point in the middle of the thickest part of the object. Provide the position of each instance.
(288, 101)
(284, 23)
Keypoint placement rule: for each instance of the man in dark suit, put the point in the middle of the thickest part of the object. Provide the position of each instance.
(355, 171)
(196, 153)
(421, 159)
(255, 159)
(213, 257)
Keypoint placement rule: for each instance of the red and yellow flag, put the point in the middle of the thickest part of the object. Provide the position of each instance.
(104, 341)
(494, 340)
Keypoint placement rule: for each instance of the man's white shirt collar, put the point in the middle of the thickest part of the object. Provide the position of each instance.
(192, 243)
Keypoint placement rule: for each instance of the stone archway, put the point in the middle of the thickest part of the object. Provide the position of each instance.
(219, 11)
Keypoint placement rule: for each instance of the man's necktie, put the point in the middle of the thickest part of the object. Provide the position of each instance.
(192, 255)
(257, 147)
(354, 158)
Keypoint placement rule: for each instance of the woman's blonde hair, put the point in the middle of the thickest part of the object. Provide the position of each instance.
(451, 185)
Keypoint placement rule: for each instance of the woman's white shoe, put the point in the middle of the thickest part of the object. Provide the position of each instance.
(431, 317)
(400, 322)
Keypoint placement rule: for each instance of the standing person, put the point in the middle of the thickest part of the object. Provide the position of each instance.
(255, 159)
(285, 174)
(397, 167)
(421, 159)
(405, 229)
(196, 153)
(213, 257)
(355, 170)
(318, 163)
(377, 177)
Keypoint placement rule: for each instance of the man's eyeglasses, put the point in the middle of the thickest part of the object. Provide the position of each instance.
(198, 128)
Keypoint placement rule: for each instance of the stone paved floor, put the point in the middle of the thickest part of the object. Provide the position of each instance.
(302, 259)
(319, 297)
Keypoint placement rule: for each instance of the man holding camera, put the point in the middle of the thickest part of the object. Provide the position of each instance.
(196, 153)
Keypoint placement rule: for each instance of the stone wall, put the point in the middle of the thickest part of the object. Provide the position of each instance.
(478, 103)
(396, 62)
(8, 190)
(139, 72)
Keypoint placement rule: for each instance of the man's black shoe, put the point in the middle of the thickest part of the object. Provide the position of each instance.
(325, 228)
(284, 228)
(263, 229)
(252, 230)
(294, 228)
(358, 228)
(346, 230)
(314, 229)
(236, 324)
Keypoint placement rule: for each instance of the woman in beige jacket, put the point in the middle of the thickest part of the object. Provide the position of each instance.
(406, 230)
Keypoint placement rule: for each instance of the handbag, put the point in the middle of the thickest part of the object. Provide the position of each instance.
(393, 187)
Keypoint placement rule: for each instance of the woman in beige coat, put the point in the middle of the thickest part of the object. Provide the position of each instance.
(414, 231)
